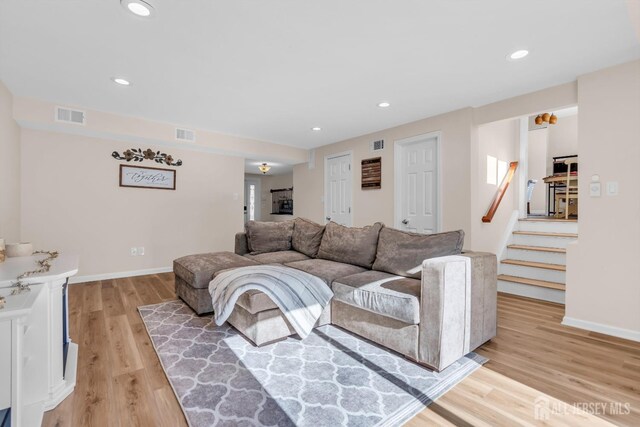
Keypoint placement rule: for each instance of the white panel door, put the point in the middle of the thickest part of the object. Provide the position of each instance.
(338, 189)
(418, 189)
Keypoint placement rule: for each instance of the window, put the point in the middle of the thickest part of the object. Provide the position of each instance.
(252, 202)
(496, 170)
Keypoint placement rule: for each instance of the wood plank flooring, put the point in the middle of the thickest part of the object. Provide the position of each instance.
(533, 360)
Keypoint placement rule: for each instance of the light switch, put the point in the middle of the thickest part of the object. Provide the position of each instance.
(594, 189)
(612, 188)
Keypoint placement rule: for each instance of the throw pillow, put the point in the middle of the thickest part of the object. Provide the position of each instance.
(400, 251)
(307, 236)
(350, 245)
(263, 237)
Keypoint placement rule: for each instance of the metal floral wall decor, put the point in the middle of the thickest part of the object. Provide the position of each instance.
(137, 155)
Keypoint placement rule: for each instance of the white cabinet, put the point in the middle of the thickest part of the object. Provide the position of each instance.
(35, 376)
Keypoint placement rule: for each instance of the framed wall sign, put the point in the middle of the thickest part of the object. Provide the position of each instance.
(372, 174)
(143, 177)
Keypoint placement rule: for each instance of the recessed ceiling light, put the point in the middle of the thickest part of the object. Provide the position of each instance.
(518, 54)
(384, 104)
(121, 81)
(316, 129)
(138, 7)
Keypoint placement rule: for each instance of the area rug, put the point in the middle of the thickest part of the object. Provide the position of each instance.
(332, 378)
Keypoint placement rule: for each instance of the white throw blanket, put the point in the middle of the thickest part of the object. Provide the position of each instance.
(300, 296)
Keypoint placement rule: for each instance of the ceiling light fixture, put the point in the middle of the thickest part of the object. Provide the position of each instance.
(552, 119)
(264, 168)
(518, 54)
(316, 129)
(384, 104)
(121, 81)
(138, 7)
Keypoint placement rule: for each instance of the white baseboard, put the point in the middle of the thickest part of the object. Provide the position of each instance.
(119, 275)
(602, 329)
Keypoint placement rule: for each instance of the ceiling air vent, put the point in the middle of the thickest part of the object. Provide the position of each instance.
(377, 145)
(67, 115)
(185, 135)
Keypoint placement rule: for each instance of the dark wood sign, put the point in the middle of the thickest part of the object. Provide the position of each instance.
(372, 174)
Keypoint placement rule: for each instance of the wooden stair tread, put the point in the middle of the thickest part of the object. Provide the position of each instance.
(532, 282)
(556, 267)
(548, 219)
(538, 248)
(543, 233)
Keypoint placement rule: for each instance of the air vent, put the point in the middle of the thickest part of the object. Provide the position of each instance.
(185, 135)
(377, 145)
(67, 115)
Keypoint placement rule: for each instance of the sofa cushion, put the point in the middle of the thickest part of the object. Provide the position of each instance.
(382, 293)
(401, 251)
(198, 270)
(307, 236)
(255, 301)
(352, 245)
(280, 257)
(265, 237)
(325, 269)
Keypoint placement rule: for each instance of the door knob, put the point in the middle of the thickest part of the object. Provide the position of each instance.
(328, 218)
(405, 221)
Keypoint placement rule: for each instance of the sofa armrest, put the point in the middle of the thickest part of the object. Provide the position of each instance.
(445, 311)
(241, 246)
(484, 297)
(455, 318)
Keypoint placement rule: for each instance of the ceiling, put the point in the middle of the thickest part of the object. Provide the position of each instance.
(251, 166)
(273, 69)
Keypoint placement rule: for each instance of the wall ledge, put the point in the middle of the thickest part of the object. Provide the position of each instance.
(119, 275)
(603, 329)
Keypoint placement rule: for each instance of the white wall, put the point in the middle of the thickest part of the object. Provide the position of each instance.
(370, 206)
(72, 202)
(603, 268)
(9, 169)
(501, 141)
(537, 168)
(563, 139)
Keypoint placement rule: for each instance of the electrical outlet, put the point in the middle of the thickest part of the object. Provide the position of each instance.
(134, 251)
(141, 250)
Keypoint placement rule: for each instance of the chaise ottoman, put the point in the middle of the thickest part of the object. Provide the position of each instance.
(255, 315)
(194, 272)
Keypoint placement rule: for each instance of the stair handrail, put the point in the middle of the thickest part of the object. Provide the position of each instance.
(500, 193)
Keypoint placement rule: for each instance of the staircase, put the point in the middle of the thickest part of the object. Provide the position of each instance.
(534, 261)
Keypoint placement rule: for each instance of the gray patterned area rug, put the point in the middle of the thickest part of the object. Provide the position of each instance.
(332, 378)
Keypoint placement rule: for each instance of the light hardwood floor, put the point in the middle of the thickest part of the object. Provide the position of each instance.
(533, 359)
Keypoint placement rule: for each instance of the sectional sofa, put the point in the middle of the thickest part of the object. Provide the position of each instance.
(419, 295)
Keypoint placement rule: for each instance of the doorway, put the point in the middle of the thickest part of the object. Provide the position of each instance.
(417, 182)
(337, 189)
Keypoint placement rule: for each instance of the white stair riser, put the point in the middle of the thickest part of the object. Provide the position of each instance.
(537, 256)
(536, 292)
(549, 242)
(532, 273)
(548, 226)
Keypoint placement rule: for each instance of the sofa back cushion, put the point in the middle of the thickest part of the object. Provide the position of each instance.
(401, 251)
(350, 245)
(307, 236)
(265, 237)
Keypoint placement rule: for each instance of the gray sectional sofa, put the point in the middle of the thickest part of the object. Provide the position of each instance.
(419, 295)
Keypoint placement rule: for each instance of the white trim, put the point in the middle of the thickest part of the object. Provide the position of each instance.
(119, 275)
(627, 334)
(523, 165)
(326, 186)
(397, 199)
(508, 233)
